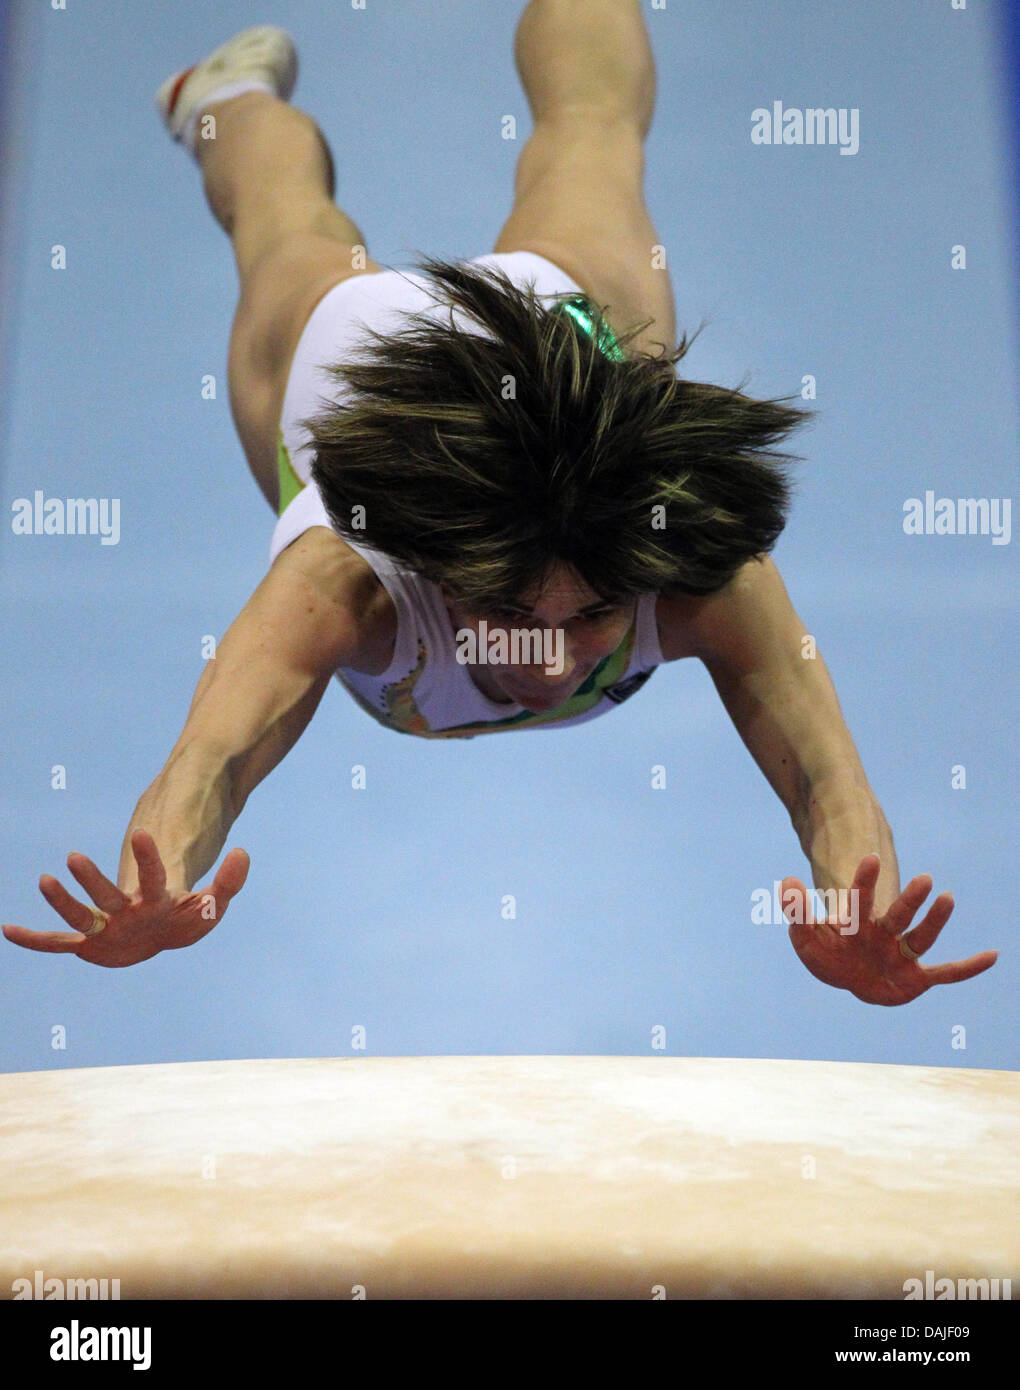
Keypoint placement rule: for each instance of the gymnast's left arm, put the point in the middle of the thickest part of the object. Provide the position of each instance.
(778, 692)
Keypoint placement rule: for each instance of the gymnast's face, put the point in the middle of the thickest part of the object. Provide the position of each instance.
(578, 627)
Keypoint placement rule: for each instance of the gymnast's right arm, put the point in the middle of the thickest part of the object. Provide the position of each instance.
(251, 704)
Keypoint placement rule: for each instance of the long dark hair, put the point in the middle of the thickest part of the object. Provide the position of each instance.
(480, 461)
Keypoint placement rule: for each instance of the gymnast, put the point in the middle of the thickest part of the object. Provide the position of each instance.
(498, 509)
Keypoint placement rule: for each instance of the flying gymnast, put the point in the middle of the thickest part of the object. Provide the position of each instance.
(499, 509)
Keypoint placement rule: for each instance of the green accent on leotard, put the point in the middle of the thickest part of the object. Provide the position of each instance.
(290, 483)
(581, 310)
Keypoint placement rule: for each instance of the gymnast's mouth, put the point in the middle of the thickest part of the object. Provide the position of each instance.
(547, 699)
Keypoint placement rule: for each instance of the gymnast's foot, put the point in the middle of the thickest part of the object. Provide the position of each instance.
(260, 59)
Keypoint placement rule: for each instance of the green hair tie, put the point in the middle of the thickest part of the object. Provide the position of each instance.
(582, 311)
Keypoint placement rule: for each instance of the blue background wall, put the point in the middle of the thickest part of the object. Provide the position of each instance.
(381, 907)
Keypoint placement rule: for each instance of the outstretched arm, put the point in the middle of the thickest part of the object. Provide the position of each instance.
(252, 703)
(778, 692)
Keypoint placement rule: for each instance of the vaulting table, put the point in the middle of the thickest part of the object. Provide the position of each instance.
(510, 1177)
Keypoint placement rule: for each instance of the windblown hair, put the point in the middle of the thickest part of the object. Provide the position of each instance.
(480, 461)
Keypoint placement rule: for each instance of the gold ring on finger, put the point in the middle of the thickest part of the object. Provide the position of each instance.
(98, 922)
(906, 950)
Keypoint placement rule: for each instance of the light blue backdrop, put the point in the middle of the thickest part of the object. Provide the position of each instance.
(381, 908)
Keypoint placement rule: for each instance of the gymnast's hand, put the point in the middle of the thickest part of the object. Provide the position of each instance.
(870, 962)
(140, 924)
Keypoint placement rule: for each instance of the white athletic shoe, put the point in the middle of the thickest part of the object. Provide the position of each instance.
(264, 56)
